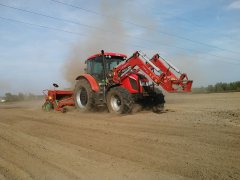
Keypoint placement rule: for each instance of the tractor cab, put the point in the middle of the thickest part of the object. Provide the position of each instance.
(100, 63)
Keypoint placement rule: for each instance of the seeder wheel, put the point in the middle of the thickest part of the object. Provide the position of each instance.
(47, 106)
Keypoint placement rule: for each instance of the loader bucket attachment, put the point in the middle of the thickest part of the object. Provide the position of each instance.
(171, 82)
(180, 86)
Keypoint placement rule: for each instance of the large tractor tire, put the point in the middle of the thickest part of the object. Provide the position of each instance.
(83, 96)
(119, 101)
(158, 102)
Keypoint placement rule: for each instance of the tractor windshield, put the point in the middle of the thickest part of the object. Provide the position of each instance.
(95, 65)
(112, 62)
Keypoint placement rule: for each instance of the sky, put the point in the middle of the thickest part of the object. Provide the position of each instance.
(39, 38)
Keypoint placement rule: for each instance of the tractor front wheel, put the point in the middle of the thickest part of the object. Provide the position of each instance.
(83, 96)
(119, 101)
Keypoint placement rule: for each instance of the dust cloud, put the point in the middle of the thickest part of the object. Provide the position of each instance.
(98, 39)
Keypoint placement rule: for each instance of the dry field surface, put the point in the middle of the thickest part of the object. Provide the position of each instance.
(197, 137)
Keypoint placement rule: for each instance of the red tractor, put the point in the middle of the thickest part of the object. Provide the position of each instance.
(113, 80)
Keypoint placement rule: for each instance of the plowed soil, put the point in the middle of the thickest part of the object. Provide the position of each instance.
(197, 137)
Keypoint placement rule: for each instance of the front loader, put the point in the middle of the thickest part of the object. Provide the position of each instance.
(114, 81)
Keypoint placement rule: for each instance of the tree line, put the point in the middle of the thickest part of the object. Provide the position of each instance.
(9, 97)
(220, 87)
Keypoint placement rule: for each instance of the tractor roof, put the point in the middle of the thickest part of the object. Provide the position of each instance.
(108, 54)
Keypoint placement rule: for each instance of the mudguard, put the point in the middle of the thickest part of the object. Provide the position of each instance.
(92, 81)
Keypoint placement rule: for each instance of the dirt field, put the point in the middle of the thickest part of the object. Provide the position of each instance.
(198, 137)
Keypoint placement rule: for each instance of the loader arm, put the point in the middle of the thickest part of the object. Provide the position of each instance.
(155, 69)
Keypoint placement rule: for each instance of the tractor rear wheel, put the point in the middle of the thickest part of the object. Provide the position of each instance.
(119, 101)
(83, 96)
